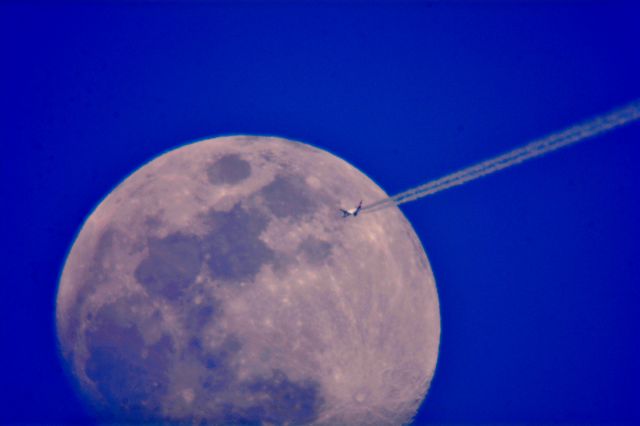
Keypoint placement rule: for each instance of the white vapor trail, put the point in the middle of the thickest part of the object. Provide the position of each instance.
(578, 133)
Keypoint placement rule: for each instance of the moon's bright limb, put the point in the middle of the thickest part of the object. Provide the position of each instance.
(218, 283)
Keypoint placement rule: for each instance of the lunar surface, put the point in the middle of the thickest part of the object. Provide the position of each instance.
(218, 284)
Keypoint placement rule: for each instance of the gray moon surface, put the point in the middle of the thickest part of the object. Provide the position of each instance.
(218, 284)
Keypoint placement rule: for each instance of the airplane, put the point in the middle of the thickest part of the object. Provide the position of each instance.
(352, 212)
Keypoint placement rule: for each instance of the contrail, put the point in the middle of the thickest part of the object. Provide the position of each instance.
(578, 133)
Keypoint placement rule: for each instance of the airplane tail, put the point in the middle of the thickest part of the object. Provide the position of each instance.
(358, 208)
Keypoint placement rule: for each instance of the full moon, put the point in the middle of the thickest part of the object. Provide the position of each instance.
(218, 284)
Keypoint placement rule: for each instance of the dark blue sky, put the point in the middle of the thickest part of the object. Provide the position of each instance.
(537, 266)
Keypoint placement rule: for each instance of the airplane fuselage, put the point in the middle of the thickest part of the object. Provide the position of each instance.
(352, 212)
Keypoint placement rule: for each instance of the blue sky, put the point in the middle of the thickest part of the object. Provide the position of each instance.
(537, 266)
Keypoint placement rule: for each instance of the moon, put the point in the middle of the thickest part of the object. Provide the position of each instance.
(218, 284)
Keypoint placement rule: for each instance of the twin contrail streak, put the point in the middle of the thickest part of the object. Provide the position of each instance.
(578, 133)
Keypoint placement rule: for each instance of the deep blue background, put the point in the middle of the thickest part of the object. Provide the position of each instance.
(537, 266)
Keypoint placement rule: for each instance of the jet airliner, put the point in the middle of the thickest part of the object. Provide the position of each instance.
(352, 212)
